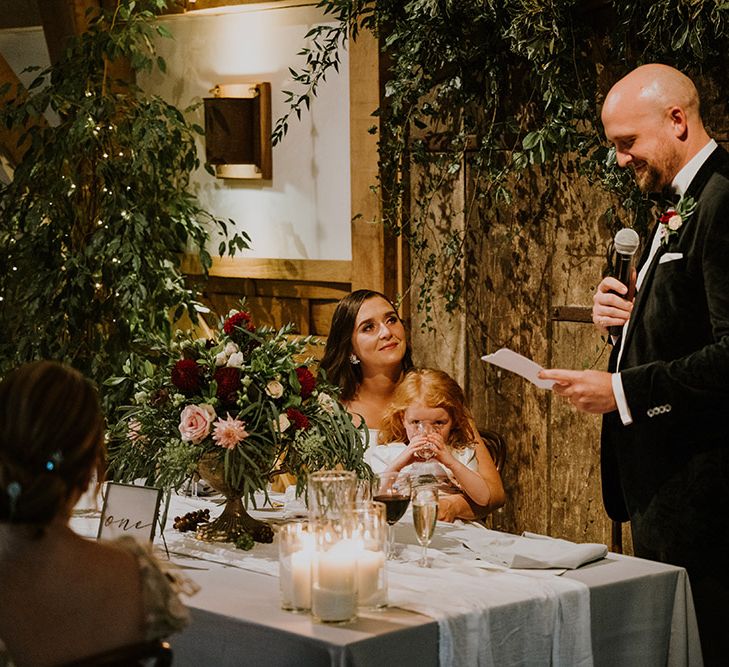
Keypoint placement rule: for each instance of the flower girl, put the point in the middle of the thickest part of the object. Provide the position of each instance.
(428, 414)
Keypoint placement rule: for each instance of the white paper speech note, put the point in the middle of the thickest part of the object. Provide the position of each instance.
(516, 363)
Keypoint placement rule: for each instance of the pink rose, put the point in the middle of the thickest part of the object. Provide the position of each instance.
(195, 422)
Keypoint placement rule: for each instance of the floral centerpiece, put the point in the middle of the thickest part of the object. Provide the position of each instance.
(237, 409)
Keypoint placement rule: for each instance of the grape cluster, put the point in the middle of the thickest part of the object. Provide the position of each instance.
(244, 540)
(263, 533)
(191, 520)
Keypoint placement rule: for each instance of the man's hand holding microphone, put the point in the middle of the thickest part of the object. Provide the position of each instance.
(613, 301)
(592, 391)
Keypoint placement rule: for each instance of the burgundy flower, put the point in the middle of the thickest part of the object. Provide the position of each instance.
(228, 379)
(665, 217)
(306, 380)
(298, 419)
(187, 376)
(241, 320)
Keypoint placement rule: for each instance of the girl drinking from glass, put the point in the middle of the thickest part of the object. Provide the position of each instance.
(428, 414)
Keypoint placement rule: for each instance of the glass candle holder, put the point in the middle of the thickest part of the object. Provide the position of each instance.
(330, 494)
(370, 535)
(295, 560)
(334, 573)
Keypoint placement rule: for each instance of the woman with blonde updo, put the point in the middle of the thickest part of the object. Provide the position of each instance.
(64, 597)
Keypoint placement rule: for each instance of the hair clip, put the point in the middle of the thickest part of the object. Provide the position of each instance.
(55, 460)
(353, 359)
(13, 490)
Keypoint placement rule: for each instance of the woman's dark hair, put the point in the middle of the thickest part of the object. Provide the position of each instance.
(51, 440)
(338, 368)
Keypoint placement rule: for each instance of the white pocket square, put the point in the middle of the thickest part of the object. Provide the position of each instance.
(670, 257)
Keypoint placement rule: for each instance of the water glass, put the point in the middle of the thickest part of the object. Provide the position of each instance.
(331, 494)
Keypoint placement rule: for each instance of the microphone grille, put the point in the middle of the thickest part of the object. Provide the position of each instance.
(626, 241)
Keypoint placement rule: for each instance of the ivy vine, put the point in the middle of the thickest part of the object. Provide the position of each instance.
(498, 87)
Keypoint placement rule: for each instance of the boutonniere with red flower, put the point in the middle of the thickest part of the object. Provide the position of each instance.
(674, 217)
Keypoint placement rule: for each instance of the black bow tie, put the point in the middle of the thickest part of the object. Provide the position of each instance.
(671, 198)
(665, 199)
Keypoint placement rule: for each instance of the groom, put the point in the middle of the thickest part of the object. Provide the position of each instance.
(665, 401)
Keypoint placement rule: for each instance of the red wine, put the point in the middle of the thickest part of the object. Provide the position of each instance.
(395, 506)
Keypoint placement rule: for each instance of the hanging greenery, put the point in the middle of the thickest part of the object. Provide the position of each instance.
(99, 211)
(498, 87)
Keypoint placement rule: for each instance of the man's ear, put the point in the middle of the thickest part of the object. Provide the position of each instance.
(678, 121)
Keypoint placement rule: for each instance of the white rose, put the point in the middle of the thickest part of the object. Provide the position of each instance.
(236, 360)
(221, 359)
(274, 389)
(326, 402)
(231, 348)
(674, 222)
(283, 422)
(140, 397)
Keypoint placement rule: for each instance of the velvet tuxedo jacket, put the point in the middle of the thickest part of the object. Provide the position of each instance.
(670, 467)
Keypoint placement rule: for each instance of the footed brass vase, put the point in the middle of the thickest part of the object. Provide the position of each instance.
(234, 518)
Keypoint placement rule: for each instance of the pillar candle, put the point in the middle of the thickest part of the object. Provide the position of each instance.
(334, 593)
(371, 590)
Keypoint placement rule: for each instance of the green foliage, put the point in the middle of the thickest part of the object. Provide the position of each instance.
(499, 87)
(99, 210)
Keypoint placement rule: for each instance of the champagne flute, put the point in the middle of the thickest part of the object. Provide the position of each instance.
(425, 514)
(392, 489)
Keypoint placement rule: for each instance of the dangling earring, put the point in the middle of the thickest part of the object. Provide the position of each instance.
(353, 359)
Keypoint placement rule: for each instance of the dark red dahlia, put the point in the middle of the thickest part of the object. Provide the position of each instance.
(228, 379)
(187, 376)
(306, 380)
(241, 320)
(298, 419)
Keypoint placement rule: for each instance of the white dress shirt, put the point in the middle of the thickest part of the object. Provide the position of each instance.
(679, 185)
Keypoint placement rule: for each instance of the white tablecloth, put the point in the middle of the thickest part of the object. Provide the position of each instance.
(486, 614)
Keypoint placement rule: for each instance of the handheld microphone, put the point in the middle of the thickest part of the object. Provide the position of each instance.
(626, 243)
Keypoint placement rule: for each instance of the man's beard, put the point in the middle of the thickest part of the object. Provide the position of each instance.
(657, 176)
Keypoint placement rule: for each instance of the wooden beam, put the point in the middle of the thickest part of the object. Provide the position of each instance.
(58, 18)
(19, 14)
(572, 314)
(184, 6)
(309, 270)
(368, 235)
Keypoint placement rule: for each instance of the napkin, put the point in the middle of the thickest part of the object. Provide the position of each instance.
(528, 551)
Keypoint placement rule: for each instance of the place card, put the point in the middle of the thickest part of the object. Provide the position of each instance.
(129, 510)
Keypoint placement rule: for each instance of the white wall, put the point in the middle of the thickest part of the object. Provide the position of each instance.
(24, 47)
(304, 212)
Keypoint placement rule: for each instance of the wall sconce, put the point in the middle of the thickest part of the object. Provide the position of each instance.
(238, 130)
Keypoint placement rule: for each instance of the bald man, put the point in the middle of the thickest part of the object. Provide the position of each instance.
(665, 399)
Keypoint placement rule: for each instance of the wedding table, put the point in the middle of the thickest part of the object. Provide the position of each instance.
(618, 610)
